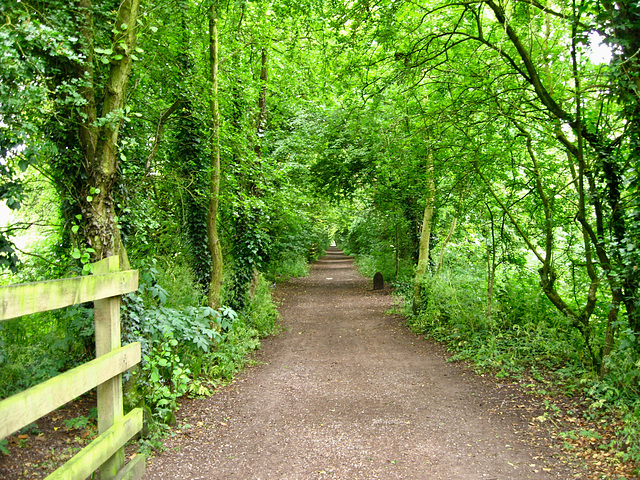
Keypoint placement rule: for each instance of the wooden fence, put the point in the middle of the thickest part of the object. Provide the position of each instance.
(104, 288)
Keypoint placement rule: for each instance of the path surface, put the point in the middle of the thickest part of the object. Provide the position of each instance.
(348, 393)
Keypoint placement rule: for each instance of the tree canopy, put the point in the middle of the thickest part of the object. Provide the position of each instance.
(489, 146)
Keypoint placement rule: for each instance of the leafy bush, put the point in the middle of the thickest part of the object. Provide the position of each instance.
(37, 347)
(522, 331)
(164, 377)
(262, 313)
(369, 264)
(287, 266)
(526, 333)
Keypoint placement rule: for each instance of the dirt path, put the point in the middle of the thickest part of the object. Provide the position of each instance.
(347, 393)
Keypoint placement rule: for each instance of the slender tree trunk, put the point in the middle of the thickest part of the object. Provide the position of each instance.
(214, 190)
(397, 251)
(262, 100)
(452, 228)
(491, 265)
(260, 128)
(159, 129)
(609, 336)
(425, 234)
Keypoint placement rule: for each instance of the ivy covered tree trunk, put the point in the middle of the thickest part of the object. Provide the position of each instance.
(214, 189)
(425, 234)
(99, 134)
(191, 160)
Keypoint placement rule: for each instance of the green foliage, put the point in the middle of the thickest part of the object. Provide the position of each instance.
(230, 354)
(385, 263)
(262, 313)
(523, 332)
(629, 436)
(38, 347)
(147, 319)
(191, 162)
(287, 266)
(189, 349)
(164, 377)
(297, 238)
(380, 242)
(526, 334)
(81, 422)
(250, 245)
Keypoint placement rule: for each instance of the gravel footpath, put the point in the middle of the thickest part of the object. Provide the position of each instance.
(346, 392)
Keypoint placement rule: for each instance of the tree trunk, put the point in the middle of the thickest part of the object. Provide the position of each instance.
(425, 234)
(260, 128)
(99, 143)
(609, 336)
(452, 228)
(397, 251)
(214, 189)
(491, 265)
(262, 101)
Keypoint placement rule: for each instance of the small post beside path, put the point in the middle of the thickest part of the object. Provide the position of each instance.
(378, 281)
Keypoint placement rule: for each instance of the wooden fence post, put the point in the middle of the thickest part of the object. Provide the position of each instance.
(107, 327)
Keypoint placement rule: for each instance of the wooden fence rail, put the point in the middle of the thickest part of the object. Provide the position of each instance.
(105, 372)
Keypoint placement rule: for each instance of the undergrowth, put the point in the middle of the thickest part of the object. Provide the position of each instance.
(287, 266)
(187, 348)
(187, 351)
(524, 335)
(385, 263)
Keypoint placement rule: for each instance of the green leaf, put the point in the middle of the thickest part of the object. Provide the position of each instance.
(153, 29)
(75, 228)
(75, 253)
(89, 198)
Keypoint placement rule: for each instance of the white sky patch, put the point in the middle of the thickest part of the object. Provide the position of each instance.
(598, 51)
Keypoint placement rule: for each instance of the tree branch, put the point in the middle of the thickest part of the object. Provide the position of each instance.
(156, 142)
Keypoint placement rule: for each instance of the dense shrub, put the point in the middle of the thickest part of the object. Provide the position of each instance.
(525, 333)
